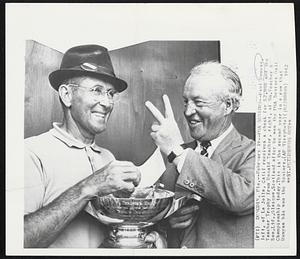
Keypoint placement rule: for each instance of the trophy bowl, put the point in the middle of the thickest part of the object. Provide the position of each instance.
(144, 207)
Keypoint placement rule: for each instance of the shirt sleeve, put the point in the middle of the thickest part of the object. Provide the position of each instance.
(230, 189)
(34, 187)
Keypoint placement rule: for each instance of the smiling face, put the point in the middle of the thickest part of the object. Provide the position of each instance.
(206, 113)
(89, 113)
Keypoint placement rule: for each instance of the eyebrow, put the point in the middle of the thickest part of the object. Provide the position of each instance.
(197, 99)
(102, 86)
(98, 86)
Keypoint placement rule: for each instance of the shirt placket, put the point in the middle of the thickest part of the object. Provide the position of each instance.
(90, 155)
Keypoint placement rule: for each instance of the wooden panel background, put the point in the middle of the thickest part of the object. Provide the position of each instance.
(42, 106)
(150, 68)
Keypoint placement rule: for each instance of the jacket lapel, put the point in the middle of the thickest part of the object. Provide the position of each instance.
(232, 140)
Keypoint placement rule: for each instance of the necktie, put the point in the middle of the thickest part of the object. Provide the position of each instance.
(205, 145)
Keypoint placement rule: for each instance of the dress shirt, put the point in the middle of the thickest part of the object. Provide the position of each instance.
(210, 150)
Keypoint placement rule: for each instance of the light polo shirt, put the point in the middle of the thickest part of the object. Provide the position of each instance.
(210, 150)
(54, 162)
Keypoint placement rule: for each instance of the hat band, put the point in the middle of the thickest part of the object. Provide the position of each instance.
(92, 68)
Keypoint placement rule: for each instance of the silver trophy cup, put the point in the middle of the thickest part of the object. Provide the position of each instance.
(142, 209)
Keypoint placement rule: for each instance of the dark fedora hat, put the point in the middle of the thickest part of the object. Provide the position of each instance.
(87, 60)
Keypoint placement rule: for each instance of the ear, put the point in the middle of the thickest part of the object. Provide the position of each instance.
(228, 106)
(65, 94)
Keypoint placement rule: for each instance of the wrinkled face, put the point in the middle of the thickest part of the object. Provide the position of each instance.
(205, 112)
(89, 111)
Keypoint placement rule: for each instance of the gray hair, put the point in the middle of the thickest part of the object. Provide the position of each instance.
(72, 80)
(234, 86)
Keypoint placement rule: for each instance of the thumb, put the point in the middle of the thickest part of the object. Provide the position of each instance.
(152, 237)
(156, 240)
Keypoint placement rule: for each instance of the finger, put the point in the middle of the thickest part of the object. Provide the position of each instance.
(128, 186)
(155, 127)
(152, 237)
(122, 163)
(122, 194)
(104, 167)
(174, 220)
(155, 112)
(129, 169)
(168, 108)
(108, 220)
(124, 168)
(156, 240)
(132, 176)
(187, 210)
(182, 224)
(138, 179)
(129, 176)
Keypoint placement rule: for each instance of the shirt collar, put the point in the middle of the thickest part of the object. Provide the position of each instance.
(215, 142)
(68, 139)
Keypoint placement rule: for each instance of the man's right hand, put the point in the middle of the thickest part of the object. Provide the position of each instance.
(183, 217)
(118, 176)
(38, 226)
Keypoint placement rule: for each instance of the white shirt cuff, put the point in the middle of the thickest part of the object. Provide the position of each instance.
(179, 161)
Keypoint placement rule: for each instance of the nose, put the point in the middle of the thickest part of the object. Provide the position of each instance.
(189, 109)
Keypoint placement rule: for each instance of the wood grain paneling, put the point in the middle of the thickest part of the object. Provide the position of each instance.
(42, 106)
(151, 69)
(245, 124)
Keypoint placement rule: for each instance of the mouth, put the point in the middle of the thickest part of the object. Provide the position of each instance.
(99, 114)
(194, 123)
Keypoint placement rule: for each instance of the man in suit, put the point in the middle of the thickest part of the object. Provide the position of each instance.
(218, 166)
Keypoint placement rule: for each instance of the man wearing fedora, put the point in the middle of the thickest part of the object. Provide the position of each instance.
(64, 167)
(217, 167)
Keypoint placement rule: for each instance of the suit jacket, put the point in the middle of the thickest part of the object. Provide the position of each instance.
(226, 184)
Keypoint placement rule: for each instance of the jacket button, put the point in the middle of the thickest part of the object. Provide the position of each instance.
(186, 181)
(192, 185)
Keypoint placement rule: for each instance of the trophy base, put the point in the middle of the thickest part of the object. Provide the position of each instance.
(126, 237)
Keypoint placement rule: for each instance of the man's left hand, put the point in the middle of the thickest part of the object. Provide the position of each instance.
(183, 217)
(156, 239)
(166, 134)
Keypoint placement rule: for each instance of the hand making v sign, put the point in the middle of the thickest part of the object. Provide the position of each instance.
(166, 134)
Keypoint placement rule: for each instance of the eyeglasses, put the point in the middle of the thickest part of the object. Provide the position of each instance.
(98, 91)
